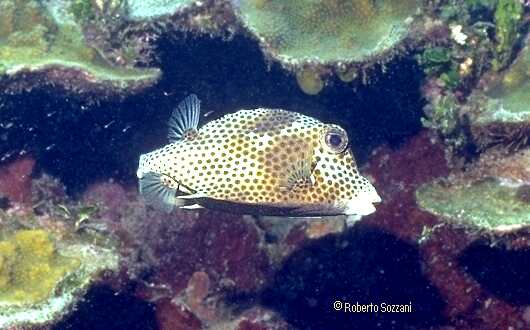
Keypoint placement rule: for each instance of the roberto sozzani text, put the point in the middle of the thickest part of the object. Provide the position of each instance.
(350, 307)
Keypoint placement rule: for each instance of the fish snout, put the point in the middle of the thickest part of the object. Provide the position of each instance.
(363, 204)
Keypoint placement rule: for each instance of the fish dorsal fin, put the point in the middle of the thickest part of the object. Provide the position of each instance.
(184, 120)
(299, 174)
(154, 189)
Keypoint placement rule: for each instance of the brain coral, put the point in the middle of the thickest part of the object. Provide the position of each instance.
(327, 32)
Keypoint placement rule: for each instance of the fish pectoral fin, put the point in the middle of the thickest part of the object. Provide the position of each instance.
(184, 120)
(299, 174)
(154, 189)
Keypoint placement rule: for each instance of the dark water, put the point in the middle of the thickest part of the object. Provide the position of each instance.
(104, 140)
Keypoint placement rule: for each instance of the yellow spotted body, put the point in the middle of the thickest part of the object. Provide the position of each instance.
(274, 160)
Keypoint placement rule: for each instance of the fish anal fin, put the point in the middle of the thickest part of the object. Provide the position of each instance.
(184, 121)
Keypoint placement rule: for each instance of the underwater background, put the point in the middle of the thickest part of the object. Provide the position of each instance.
(434, 96)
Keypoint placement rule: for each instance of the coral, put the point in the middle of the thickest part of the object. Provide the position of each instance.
(489, 195)
(31, 268)
(500, 115)
(434, 57)
(170, 316)
(488, 204)
(475, 101)
(231, 256)
(443, 115)
(309, 81)
(15, 180)
(397, 174)
(150, 9)
(508, 21)
(110, 199)
(41, 277)
(42, 38)
(472, 44)
(326, 32)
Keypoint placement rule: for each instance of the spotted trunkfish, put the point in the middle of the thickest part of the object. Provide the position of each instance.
(260, 162)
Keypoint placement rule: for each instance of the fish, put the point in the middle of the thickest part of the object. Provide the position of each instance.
(255, 161)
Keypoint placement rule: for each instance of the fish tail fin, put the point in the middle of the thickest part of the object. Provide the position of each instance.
(158, 194)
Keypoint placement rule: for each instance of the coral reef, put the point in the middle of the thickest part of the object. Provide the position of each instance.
(444, 247)
(444, 234)
(499, 114)
(41, 42)
(491, 195)
(15, 180)
(488, 204)
(475, 89)
(508, 21)
(30, 268)
(151, 9)
(41, 278)
(212, 17)
(326, 31)
(308, 37)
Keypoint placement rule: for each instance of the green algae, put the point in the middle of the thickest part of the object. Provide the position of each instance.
(508, 21)
(486, 204)
(41, 277)
(435, 56)
(35, 37)
(327, 31)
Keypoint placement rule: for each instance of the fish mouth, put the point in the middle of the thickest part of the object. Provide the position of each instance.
(363, 204)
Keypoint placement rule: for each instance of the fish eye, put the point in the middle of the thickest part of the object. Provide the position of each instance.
(336, 139)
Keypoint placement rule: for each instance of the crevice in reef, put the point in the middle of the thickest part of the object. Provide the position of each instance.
(103, 308)
(512, 266)
(362, 266)
(81, 141)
